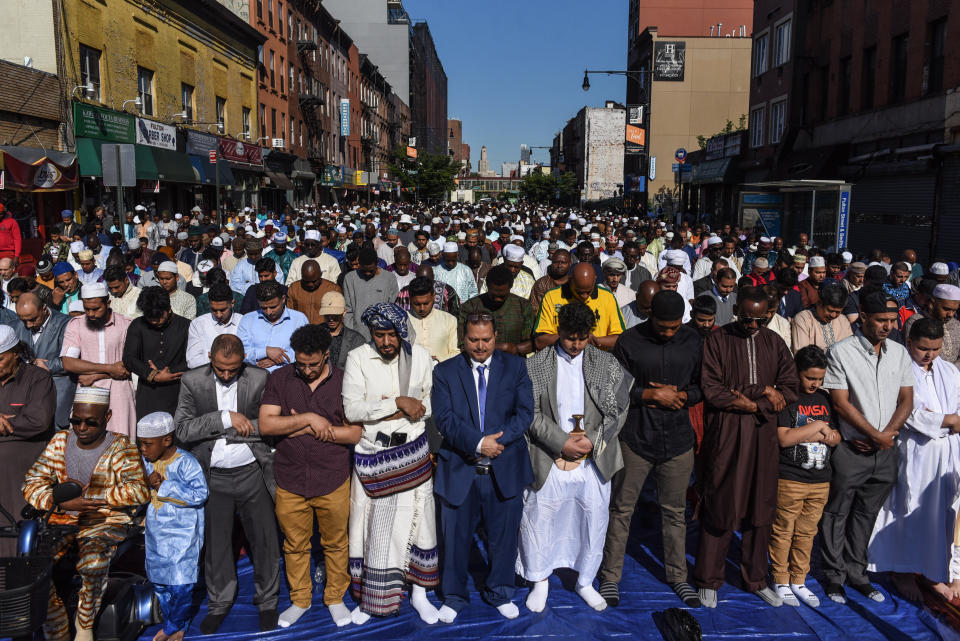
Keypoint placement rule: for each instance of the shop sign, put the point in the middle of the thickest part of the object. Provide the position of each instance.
(236, 151)
(105, 124)
(156, 134)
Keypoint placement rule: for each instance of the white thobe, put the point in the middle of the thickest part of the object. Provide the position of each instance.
(914, 530)
(564, 523)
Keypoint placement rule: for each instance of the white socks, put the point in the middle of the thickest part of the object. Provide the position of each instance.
(509, 610)
(290, 616)
(339, 613)
(358, 616)
(592, 597)
(418, 599)
(446, 614)
(803, 593)
(785, 593)
(537, 599)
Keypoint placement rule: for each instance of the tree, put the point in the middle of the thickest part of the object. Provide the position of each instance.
(432, 174)
(538, 187)
(569, 187)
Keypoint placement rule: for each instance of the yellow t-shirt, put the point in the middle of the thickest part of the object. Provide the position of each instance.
(602, 302)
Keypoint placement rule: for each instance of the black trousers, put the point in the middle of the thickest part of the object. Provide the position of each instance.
(240, 491)
(858, 489)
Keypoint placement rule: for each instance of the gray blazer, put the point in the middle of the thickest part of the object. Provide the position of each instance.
(198, 419)
(48, 347)
(605, 403)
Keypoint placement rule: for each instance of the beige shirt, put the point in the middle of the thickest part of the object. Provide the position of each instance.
(808, 330)
(437, 333)
(781, 327)
(127, 304)
(328, 265)
(183, 304)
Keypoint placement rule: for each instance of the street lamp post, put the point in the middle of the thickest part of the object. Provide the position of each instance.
(637, 75)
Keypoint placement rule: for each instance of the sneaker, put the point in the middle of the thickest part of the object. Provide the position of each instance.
(610, 592)
(786, 595)
(804, 594)
(868, 591)
(708, 597)
(769, 596)
(686, 593)
(836, 593)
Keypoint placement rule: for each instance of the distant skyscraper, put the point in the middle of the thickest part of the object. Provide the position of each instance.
(524, 154)
(483, 167)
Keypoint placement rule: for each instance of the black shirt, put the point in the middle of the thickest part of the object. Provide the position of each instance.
(806, 462)
(165, 347)
(652, 432)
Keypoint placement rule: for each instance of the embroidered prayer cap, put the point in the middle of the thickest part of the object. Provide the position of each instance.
(133, 243)
(92, 396)
(204, 266)
(167, 266)
(939, 269)
(450, 248)
(817, 261)
(86, 254)
(615, 265)
(513, 253)
(312, 234)
(94, 290)
(155, 424)
(8, 338)
(280, 238)
(387, 316)
(799, 259)
(434, 248)
(761, 263)
(668, 275)
(946, 292)
(77, 246)
(216, 242)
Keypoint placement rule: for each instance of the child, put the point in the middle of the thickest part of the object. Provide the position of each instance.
(174, 524)
(806, 437)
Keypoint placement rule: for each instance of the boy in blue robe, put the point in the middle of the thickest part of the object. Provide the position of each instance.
(174, 523)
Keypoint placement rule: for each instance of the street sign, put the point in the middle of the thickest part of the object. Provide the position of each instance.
(843, 219)
(636, 140)
(679, 166)
(119, 165)
(213, 156)
(411, 152)
(412, 142)
(653, 168)
(681, 154)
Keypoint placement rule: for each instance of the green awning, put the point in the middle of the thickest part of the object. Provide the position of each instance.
(88, 153)
(172, 166)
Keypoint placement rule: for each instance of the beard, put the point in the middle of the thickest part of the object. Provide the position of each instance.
(96, 324)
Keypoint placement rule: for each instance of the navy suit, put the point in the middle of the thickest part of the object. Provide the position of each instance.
(466, 495)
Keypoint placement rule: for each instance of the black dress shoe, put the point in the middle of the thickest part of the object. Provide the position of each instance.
(268, 620)
(211, 622)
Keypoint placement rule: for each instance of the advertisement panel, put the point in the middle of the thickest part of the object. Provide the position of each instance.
(636, 140)
(669, 60)
(105, 124)
(236, 151)
(843, 219)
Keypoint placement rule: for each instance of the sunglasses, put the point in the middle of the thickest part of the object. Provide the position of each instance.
(746, 320)
(479, 317)
(90, 422)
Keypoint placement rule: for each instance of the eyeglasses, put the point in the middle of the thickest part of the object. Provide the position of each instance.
(90, 422)
(479, 317)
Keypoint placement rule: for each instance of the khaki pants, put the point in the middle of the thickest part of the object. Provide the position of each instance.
(295, 514)
(799, 507)
(673, 477)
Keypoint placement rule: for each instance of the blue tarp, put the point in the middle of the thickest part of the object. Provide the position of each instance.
(740, 615)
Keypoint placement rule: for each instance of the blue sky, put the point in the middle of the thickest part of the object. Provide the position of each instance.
(514, 68)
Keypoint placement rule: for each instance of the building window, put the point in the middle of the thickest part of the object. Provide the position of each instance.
(263, 121)
(260, 9)
(898, 68)
(145, 90)
(270, 13)
(293, 137)
(869, 77)
(280, 19)
(281, 74)
(756, 126)
(778, 120)
(186, 100)
(273, 123)
(938, 37)
(760, 54)
(283, 124)
(222, 114)
(781, 43)
(90, 69)
(272, 61)
(843, 87)
(245, 119)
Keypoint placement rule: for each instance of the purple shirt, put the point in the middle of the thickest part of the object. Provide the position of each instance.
(303, 465)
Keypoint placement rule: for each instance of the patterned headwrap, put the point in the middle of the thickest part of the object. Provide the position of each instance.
(669, 275)
(388, 316)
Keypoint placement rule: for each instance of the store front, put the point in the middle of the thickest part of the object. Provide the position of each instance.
(819, 208)
(35, 186)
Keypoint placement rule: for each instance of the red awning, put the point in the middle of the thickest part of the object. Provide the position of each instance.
(36, 170)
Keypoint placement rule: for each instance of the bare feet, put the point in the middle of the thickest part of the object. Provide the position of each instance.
(177, 636)
(906, 585)
(162, 636)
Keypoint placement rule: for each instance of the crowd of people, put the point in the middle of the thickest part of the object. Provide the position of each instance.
(396, 378)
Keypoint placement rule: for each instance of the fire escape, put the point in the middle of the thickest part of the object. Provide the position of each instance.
(311, 99)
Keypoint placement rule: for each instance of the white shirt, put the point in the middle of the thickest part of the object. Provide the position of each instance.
(235, 454)
(37, 334)
(203, 329)
(570, 389)
(475, 368)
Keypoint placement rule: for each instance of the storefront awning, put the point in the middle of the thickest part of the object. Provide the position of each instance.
(37, 170)
(208, 176)
(710, 171)
(173, 166)
(278, 180)
(303, 175)
(89, 156)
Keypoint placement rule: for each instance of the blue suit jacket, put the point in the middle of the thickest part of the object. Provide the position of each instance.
(509, 409)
